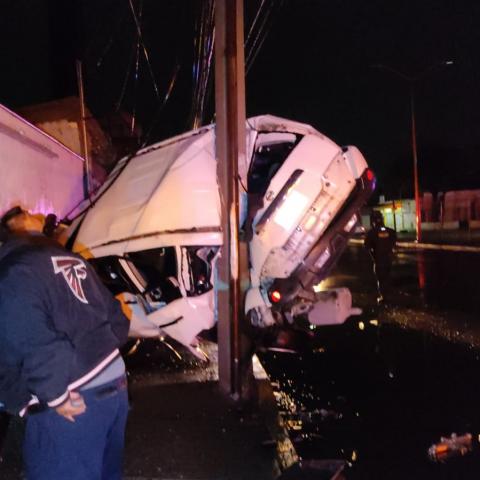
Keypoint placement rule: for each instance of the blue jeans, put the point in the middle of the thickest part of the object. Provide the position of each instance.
(91, 448)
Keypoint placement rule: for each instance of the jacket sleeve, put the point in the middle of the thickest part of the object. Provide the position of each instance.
(13, 392)
(118, 321)
(47, 354)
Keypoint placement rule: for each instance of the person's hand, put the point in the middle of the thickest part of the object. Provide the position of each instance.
(73, 406)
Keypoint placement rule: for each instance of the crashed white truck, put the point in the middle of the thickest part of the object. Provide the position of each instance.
(153, 229)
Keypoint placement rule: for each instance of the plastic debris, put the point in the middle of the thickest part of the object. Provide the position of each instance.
(453, 446)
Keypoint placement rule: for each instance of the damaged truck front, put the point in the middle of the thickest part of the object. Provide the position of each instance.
(153, 230)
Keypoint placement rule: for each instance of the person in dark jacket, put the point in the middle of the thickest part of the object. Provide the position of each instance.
(380, 242)
(60, 367)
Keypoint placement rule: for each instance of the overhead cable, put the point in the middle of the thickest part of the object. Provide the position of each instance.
(153, 123)
(137, 65)
(257, 35)
(144, 49)
(202, 63)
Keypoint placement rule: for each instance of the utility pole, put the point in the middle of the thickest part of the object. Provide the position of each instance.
(412, 81)
(230, 152)
(87, 182)
(418, 211)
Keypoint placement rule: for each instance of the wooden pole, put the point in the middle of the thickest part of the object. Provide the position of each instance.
(87, 185)
(231, 150)
(416, 189)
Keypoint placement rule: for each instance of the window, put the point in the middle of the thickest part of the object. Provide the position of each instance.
(158, 271)
(112, 275)
(200, 269)
(271, 151)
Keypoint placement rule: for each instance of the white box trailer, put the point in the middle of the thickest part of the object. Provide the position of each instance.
(36, 171)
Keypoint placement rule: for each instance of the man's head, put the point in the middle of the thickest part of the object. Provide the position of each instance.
(17, 220)
(376, 219)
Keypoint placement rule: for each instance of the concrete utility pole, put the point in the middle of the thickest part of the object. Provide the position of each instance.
(231, 150)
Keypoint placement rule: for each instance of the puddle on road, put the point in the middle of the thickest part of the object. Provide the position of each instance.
(379, 396)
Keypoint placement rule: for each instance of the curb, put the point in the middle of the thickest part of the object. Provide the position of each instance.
(286, 454)
(427, 246)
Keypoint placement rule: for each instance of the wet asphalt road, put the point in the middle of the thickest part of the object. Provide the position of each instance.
(378, 395)
(380, 389)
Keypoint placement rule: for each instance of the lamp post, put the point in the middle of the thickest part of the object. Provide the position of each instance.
(411, 80)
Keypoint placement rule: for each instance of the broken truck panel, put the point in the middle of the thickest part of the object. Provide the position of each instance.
(153, 231)
(38, 172)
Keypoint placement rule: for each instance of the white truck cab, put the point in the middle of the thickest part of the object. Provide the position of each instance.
(153, 230)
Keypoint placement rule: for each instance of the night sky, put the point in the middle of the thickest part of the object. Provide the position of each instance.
(315, 66)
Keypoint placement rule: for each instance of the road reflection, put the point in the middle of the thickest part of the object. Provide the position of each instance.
(379, 390)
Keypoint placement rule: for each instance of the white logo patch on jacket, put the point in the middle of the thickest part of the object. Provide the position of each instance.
(73, 271)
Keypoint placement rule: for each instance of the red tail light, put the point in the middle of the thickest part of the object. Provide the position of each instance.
(275, 296)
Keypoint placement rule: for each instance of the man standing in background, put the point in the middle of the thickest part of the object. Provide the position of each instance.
(380, 242)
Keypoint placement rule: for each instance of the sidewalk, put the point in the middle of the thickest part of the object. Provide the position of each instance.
(444, 237)
(455, 241)
(192, 431)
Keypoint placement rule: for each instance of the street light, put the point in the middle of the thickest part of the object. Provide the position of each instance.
(411, 80)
